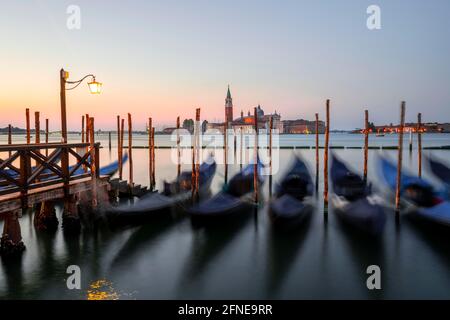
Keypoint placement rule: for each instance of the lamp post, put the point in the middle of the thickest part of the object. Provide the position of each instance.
(94, 88)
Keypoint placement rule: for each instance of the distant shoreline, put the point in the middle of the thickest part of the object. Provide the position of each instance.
(168, 134)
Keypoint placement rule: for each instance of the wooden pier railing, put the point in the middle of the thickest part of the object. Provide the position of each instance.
(18, 175)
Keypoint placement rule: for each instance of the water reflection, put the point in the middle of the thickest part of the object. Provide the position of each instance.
(102, 290)
(14, 276)
(283, 248)
(367, 250)
(435, 238)
(169, 259)
(139, 239)
(207, 243)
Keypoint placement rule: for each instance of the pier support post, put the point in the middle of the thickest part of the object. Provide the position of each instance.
(45, 217)
(71, 220)
(11, 241)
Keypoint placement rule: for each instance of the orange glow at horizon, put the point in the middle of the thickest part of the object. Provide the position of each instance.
(141, 97)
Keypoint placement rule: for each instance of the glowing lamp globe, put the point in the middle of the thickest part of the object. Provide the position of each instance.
(95, 87)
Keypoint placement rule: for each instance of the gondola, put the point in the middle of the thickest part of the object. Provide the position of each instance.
(441, 171)
(419, 197)
(108, 170)
(292, 204)
(175, 195)
(236, 199)
(353, 200)
(112, 168)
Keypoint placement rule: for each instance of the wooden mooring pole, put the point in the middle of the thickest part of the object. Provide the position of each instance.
(130, 151)
(45, 216)
(193, 166)
(150, 156)
(270, 155)
(419, 143)
(400, 158)
(270, 144)
(153, 160)
(109, 140)
(178, 148)
(27, 119)
(410, 140)
(37, 136)
(325, 161)
(255, 159)
(119, 148)
(46, 136)
(235, 146)
(9, 137)
(241, 147)
(37, 128)
(87, 128)
(317, 153)
(94, 161)
(366, 143)
(86, 140)
(225, 149)
(82, 129)
(197, 153)
(122, 129)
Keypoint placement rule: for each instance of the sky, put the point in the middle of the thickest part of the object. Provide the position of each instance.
(163, 59)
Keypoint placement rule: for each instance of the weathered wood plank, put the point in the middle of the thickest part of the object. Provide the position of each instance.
(12, 201)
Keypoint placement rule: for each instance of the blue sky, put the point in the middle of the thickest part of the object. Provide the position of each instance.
(165, 58)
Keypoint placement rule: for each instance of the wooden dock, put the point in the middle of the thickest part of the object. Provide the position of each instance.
(29, 177)
(13, 201)
(122, 188)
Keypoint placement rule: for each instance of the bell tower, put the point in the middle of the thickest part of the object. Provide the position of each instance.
(228, 106)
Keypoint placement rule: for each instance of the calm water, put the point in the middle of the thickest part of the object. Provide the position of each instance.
(291, 140)
(173, 260)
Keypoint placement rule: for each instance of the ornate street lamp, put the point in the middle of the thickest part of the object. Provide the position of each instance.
(94, 87)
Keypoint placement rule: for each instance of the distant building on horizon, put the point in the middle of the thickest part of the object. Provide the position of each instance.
(228, 106)
(302, 126)
(245, 123)
(430, 127)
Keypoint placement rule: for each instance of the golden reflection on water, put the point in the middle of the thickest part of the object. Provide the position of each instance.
(102, 290)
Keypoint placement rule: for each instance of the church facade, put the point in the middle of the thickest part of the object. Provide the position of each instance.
(245, 123)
